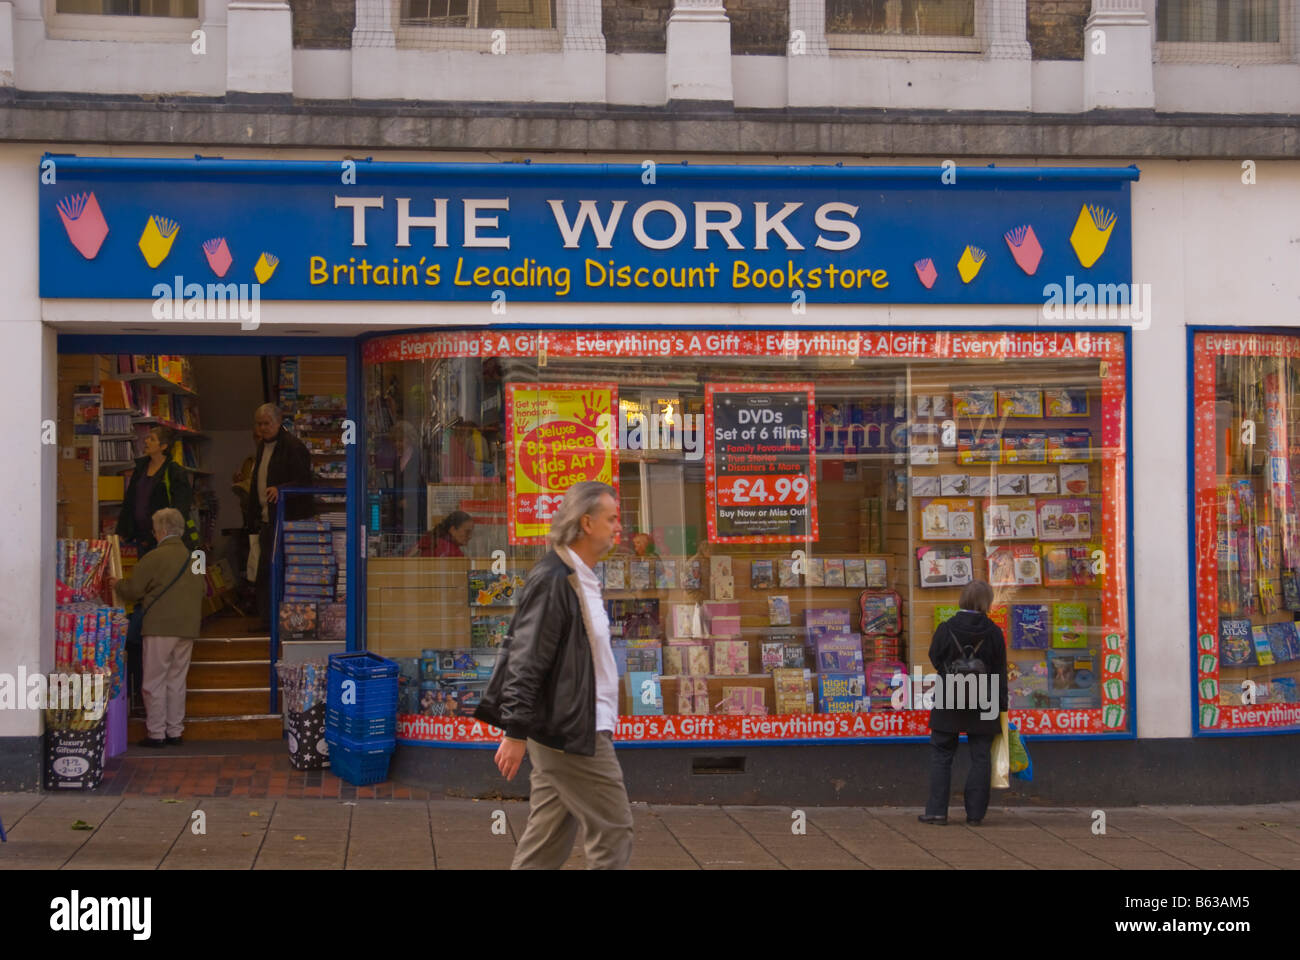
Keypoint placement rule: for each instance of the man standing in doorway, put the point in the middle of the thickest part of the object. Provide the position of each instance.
(555, 693)
(282, 461)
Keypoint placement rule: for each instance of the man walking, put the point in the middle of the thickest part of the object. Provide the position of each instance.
(555, 693)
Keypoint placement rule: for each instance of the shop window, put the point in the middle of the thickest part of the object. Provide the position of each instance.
(1223, 31)
(916, 25)
(498, 26)
(799, 511)
(1246, 406)
(144, 21)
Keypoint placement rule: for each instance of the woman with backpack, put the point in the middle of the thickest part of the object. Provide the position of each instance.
(967, 644)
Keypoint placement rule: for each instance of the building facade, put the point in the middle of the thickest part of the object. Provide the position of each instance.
(963, 381)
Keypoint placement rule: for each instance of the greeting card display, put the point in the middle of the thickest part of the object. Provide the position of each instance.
(954, 485)
(691, 572)
(1012, 485)
(761, 576)
(948, 519)
(1066, 401)
(778, 610)
(1020, 403)
(1014, 565)
(693, 696)
(616, 574)
(814, 572)
(925, 486)
(1064, 519)
(731, 658)
(944, 566)
(1074, 479)
(1011, 520)
(981, 484)
(973, 403)
(1041, 483)
(978, 448)
(881, 613)
(639, 574)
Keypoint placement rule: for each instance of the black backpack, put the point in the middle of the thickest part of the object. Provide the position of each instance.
(966, 663)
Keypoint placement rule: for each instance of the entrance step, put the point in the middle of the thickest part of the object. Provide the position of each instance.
(228, 674)
(231, 648)
(263, 726)
(228, 702)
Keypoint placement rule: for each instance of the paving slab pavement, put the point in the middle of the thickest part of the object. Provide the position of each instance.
(187, 833)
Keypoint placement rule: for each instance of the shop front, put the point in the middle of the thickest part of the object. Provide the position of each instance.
(805, 483)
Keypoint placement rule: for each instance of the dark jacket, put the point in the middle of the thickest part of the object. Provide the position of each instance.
(171, 489)
(544, 684)
(969, 629)
(290, 466)
(175, 610)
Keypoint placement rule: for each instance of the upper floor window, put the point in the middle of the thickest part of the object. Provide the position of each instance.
(188, 9)
(913, 25)
(1218, 21)
(480, 14)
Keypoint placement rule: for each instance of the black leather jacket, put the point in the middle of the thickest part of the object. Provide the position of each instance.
(544, 683)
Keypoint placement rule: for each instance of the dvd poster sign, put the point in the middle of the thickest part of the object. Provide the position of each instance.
(761, 473)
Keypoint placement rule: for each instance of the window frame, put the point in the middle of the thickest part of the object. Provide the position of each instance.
(475, 39)
(1225, 51)
(116, 27)
(893, 44)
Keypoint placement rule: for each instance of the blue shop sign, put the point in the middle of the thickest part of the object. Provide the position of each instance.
(584, 233)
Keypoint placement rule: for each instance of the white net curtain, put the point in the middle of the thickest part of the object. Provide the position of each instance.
(1227, 31)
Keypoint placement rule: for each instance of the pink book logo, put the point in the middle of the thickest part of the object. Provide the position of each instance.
(926, 273)
(1025, 248)
(218, 254)
(84, 222)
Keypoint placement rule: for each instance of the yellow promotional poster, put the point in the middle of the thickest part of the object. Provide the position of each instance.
(558, 434)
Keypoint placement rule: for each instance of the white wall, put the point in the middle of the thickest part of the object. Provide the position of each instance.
(27, 470)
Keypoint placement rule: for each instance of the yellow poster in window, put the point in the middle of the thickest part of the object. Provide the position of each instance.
(557, 434)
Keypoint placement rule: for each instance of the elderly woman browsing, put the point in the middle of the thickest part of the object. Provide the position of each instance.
(172, 594)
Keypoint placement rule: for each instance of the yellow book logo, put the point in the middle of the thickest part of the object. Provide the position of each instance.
(265, 266)
(156, 241)
(972, 258)
(1091, 233)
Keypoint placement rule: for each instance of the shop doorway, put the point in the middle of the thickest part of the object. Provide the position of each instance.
(180, 413)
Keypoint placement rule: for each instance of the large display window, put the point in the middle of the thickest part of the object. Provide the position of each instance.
(800, 511)
(1246, 583)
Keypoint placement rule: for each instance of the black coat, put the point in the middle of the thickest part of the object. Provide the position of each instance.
(171, 489)
(290, 466)
(544, 684)
(969, 629)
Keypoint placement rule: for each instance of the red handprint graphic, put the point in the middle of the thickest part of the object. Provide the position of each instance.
(591, 416)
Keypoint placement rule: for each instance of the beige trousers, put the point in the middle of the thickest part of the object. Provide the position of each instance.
(166, 666)
(569, 791)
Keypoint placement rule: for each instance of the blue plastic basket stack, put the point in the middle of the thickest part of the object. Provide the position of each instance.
(361, 716)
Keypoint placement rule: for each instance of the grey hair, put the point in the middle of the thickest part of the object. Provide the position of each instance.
(169, 522)
(272, 410)
(581, 501)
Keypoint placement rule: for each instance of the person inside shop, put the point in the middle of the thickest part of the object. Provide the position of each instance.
(448, 539)
(166, 582)
(967, 643)
(408, 481)
(157, 481)
(282, 460)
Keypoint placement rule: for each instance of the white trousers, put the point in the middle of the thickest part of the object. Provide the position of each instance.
(166, 667)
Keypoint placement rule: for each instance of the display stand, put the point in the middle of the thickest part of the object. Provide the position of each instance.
(277, 573)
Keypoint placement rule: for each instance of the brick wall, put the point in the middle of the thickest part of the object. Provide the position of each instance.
(639, 27)
(759, 26)
(323, 24)
(1055, 28)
